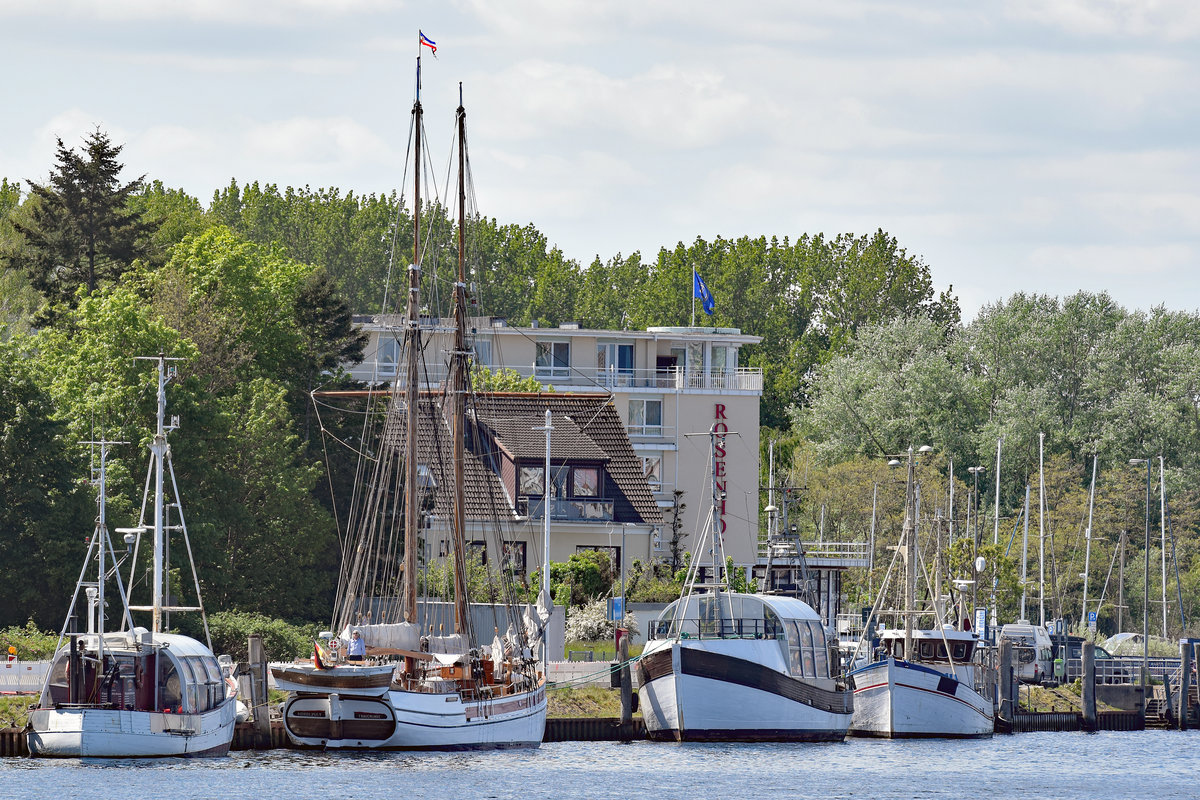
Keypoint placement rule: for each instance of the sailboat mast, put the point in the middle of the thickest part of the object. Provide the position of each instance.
(910, 560)
(412, 337)
(159, 450)
(458, 385)
(1087, 552)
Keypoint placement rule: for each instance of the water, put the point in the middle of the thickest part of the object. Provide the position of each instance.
(1036, 766)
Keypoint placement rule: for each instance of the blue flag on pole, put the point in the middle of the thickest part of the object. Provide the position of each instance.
(700, 292)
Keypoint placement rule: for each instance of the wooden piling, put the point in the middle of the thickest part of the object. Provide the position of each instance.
(1007, 705)
(1185, 694)
(259, 711)
(1089, 687)
(626, 682)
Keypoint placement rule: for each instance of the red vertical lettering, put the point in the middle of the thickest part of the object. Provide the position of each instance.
(720, 411)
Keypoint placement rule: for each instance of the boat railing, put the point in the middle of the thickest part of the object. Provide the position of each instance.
(717, 629)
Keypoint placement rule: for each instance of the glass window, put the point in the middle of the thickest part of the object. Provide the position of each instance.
(514, 558)
(531, 481)
(553, 360)
(586, 482)
(615, 358)
(652, 469)
(483, 352)
(820, 651)
(387, 354)
(645, 417)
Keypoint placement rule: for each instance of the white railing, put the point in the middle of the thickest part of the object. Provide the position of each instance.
(833, 551)
(742, 379)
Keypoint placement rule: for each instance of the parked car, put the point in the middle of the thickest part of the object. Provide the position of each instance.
(1109, 669)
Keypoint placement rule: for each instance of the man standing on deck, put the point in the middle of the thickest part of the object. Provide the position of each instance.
(357, 648)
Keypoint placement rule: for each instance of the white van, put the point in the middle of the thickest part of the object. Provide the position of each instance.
(1032, 651)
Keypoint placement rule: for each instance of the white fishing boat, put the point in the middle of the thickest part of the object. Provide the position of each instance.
(414, 689)
(726, 666)
(920, 683)
(932, 694)
(134, 692)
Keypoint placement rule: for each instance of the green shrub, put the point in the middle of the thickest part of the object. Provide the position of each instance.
(230, 630)
(31, 643)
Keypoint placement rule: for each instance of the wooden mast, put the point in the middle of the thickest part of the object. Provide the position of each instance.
(458, 387)
(412, 349)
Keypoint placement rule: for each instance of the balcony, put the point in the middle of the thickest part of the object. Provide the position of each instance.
(578, 510)
(742, 379)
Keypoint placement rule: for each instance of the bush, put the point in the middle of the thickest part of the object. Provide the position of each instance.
(282, 641)
(590, 623)
(31, 644)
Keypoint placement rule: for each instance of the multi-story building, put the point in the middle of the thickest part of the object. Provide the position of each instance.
(671, 387)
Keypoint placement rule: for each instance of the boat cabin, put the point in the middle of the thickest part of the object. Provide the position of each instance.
(930, 646)
(792, 623)
(167, 673)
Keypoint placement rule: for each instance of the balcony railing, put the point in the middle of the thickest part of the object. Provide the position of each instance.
(742, 379)
(827, 551)
(583, 509)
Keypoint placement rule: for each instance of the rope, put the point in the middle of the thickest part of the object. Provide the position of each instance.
(589, 677)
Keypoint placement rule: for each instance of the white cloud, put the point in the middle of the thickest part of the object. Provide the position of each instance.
(275, 12)
(1114, 260)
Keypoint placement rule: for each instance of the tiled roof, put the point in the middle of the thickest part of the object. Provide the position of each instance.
(586, 428)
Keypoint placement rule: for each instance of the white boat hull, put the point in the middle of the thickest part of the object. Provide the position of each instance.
(111, 733)
(723, 690)
(897, 699)
(402, 720)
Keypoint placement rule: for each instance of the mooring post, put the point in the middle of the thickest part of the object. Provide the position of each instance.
(626, 683)
(1185, 672)
(1089, 686)
(1006, 682)
(258, 693)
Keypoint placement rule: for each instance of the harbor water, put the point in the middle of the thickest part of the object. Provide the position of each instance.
(1152, 764)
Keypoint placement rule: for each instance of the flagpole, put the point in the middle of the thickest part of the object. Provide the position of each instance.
(693, 297)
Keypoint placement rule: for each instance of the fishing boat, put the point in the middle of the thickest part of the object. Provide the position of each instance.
(416, 687)
(133, 692)
(729, 666)
(920, 683)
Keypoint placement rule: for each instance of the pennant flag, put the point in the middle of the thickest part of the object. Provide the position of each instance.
(430, 43)
(700, 292)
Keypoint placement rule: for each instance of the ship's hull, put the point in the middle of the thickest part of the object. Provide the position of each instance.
(404, 720)
(897, 700)
(112, 733)
(724, 691)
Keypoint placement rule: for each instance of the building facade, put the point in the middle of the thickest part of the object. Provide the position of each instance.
(672, 387)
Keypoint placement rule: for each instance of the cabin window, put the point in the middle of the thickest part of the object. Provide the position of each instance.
(820, 650)
(961, 651)
(806, 649)
(170, 689)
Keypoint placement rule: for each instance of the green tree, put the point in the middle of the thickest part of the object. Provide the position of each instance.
(80, 228)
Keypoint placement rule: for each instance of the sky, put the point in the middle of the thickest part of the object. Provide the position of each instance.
(1044, 146)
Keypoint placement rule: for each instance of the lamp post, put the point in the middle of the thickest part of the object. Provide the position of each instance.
(975, 473)
(1146, 585)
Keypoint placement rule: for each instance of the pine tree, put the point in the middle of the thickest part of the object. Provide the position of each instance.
(79, 228)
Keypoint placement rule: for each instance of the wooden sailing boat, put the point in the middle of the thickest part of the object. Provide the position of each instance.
(417, 690)
(920, 683)
(133, 692)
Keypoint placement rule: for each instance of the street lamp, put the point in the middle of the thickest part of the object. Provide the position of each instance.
(975, 534)
(1146, 585)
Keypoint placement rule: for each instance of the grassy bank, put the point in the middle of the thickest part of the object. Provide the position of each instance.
(584, 701)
